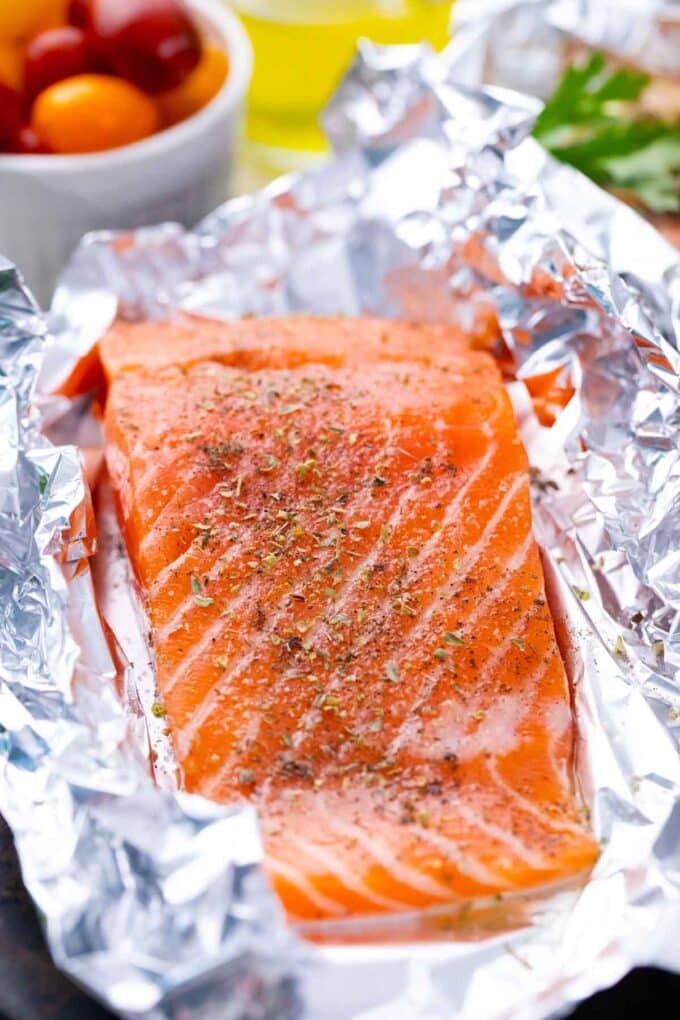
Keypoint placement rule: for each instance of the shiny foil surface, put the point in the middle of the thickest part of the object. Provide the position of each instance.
(436, 206)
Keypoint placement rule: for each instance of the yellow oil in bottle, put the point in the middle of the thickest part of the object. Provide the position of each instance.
(303, 48)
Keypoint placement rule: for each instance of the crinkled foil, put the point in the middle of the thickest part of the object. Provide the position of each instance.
(153, 900)
(436, 206)
(524, 44)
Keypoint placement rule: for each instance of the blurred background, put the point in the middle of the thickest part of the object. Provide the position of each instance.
(302, 49)
(120, 113)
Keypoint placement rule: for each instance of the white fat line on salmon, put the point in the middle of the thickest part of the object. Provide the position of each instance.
(552, 822)
(476, 819)
(170, 574)
(410, 495)
(250, 471)
(452, 516)
(381, 852)
(478, 825)
(148, 477)
(207, 706)
(356, 574)
(170, 570)
(564, 767)
(313, 717)
(177, 502)
(406, 730)
(428, 686)
(276, 867)
(411, 718)
(342, 875)
(464, 864)
(189, 604)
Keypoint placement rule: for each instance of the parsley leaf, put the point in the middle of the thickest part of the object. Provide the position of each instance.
(587, 124)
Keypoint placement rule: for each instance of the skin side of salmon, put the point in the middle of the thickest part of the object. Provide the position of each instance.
(330, 523)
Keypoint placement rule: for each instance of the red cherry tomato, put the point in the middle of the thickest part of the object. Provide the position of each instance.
(28, 143)
(11, 104)
(78, 12)
(53, 55)
(152, 43)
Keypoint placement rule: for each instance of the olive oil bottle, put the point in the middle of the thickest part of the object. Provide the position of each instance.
(303, 48)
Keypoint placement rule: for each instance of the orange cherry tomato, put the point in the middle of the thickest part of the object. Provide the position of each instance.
(20, 19)
(91, 113)
(197, 89)
(11, 65)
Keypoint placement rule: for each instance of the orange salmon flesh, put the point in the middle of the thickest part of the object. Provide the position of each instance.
(330, 523)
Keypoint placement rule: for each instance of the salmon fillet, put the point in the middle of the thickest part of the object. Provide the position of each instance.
(348, 611)
(272, 343)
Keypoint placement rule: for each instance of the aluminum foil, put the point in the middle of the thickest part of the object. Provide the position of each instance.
(524, 44)
(436, 206)
(152, 900)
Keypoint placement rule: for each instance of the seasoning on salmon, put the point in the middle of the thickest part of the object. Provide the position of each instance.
(348, 611)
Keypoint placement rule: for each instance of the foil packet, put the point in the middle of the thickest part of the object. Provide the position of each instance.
(436, 206)
(524, 44)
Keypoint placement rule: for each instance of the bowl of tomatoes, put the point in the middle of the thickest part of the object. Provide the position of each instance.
(113, 114)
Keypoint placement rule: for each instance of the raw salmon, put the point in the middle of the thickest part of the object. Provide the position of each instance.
(272, 343)
(347, 607)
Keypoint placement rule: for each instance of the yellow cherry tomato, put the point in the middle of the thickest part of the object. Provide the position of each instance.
(91, 113)
(11, 65)
(197, 89)
(20, 19)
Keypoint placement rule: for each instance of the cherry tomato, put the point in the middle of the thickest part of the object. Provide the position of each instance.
(152, 43)
(11, 65)
(28, 143)
(20, 19)
(78, 13)
(55, 54)
(197, 89)
(11, 103)
(93, 112)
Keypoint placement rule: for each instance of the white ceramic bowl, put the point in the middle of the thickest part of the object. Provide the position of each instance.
(48, 202)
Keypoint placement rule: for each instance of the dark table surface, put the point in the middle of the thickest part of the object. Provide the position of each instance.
(31, 988)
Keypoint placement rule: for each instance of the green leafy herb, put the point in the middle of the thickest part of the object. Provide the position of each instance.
(42, 483)
(589, 124)
(451, 638)
(620, 649)
(391, 673)
(199, 599)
